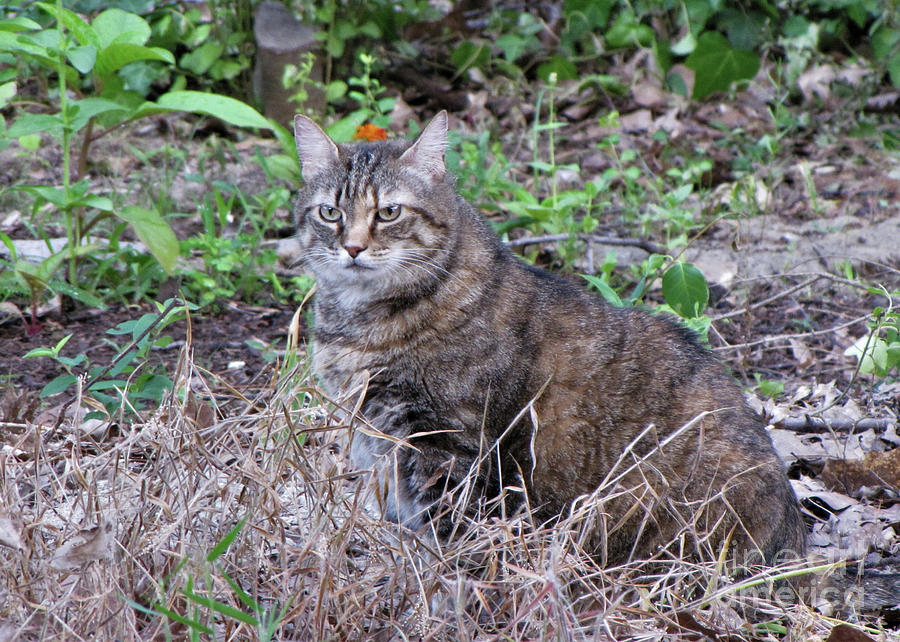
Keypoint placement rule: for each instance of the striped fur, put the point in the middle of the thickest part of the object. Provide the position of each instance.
(447, 337)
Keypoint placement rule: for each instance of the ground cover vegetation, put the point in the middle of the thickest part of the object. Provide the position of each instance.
(169, 468)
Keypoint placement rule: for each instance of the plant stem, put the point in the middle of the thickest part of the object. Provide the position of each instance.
(71, 231)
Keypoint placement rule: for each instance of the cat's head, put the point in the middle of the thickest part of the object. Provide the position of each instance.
(375, 218)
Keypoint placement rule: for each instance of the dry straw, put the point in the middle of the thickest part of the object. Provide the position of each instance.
(234, 516)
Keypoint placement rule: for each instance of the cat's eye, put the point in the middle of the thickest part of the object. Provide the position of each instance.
(389, 213)
(329, 214)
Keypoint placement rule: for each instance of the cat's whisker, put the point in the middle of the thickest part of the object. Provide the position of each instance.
(408, 263)
(413, 254)
(427, 265)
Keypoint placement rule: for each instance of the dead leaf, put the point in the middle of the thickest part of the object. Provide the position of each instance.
(669, 123)
(846, 633)
(817, 446)
(802, 354)
(874, 469)
(853, 75)
(87, 546)
(687, 76)
(816, 81)
(883, 101)
(649, 95)
(806, 488)
(636, 121)
(9, 533)
(890, 434)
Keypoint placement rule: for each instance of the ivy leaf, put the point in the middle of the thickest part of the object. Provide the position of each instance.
(559, 65)
(717, 65)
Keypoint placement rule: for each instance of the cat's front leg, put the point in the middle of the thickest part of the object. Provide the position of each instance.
(412, 460)
(390, 489)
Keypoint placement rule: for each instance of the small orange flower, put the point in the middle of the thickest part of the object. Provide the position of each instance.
(370, 132)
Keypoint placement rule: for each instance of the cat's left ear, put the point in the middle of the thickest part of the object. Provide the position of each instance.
(426, 155)
(315, 149)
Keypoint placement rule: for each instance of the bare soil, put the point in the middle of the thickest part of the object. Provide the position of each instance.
(782, 310)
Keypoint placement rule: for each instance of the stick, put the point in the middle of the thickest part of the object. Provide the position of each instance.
(643, 244)
(807, 423)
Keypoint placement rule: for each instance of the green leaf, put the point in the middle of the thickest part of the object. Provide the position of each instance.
(195, 625)
(626, 31)
(115, 25)
(58, 385)
(335, 90)
(795, 26)
(685, 46)
(82, 58)
(893, 68)
(884, 41)
(84, 110)
(202, 58)
(154, 232)
(512, 45)
(34, 123)
(605, 290)
(142, 324)
(559, 65)
(228, 109)
(225, 609)
(343, 130)
(7, 93)
(19, 24)
(119, 54)
(468, 54)
(39, 352)
(770, 388)
(226, 541)
(78, 294)
(82, 31)
(685, 289)
(716, 65)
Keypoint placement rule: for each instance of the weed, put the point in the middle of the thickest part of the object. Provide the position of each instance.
(878, 351)
(121, 376)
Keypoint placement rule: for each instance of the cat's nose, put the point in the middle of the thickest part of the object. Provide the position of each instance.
(353, 250)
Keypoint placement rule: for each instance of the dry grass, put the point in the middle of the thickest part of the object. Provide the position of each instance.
(246, 524)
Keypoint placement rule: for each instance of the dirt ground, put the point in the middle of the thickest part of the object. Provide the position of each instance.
(783, 307)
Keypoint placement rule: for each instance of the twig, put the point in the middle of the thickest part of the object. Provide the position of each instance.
(784, 337)
(767, 301)
(808, 423)
(647, 246)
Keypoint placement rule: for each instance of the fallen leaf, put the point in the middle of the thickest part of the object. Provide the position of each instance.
(636, 121)
(816, 81)
(649, 95)
(817, 446)
(874, 469)
(9, 533)
(687, 76)
(802, 354)
(806, 488)
(87, 546)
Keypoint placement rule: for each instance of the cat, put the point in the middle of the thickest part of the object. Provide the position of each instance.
(472, 364)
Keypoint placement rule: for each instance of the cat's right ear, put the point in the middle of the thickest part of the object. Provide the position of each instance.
(315, 149)
(426, 154)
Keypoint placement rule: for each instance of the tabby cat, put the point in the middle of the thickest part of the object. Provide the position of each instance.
(473, 365)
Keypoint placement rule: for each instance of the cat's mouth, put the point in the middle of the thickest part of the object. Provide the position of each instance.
(356, 266)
